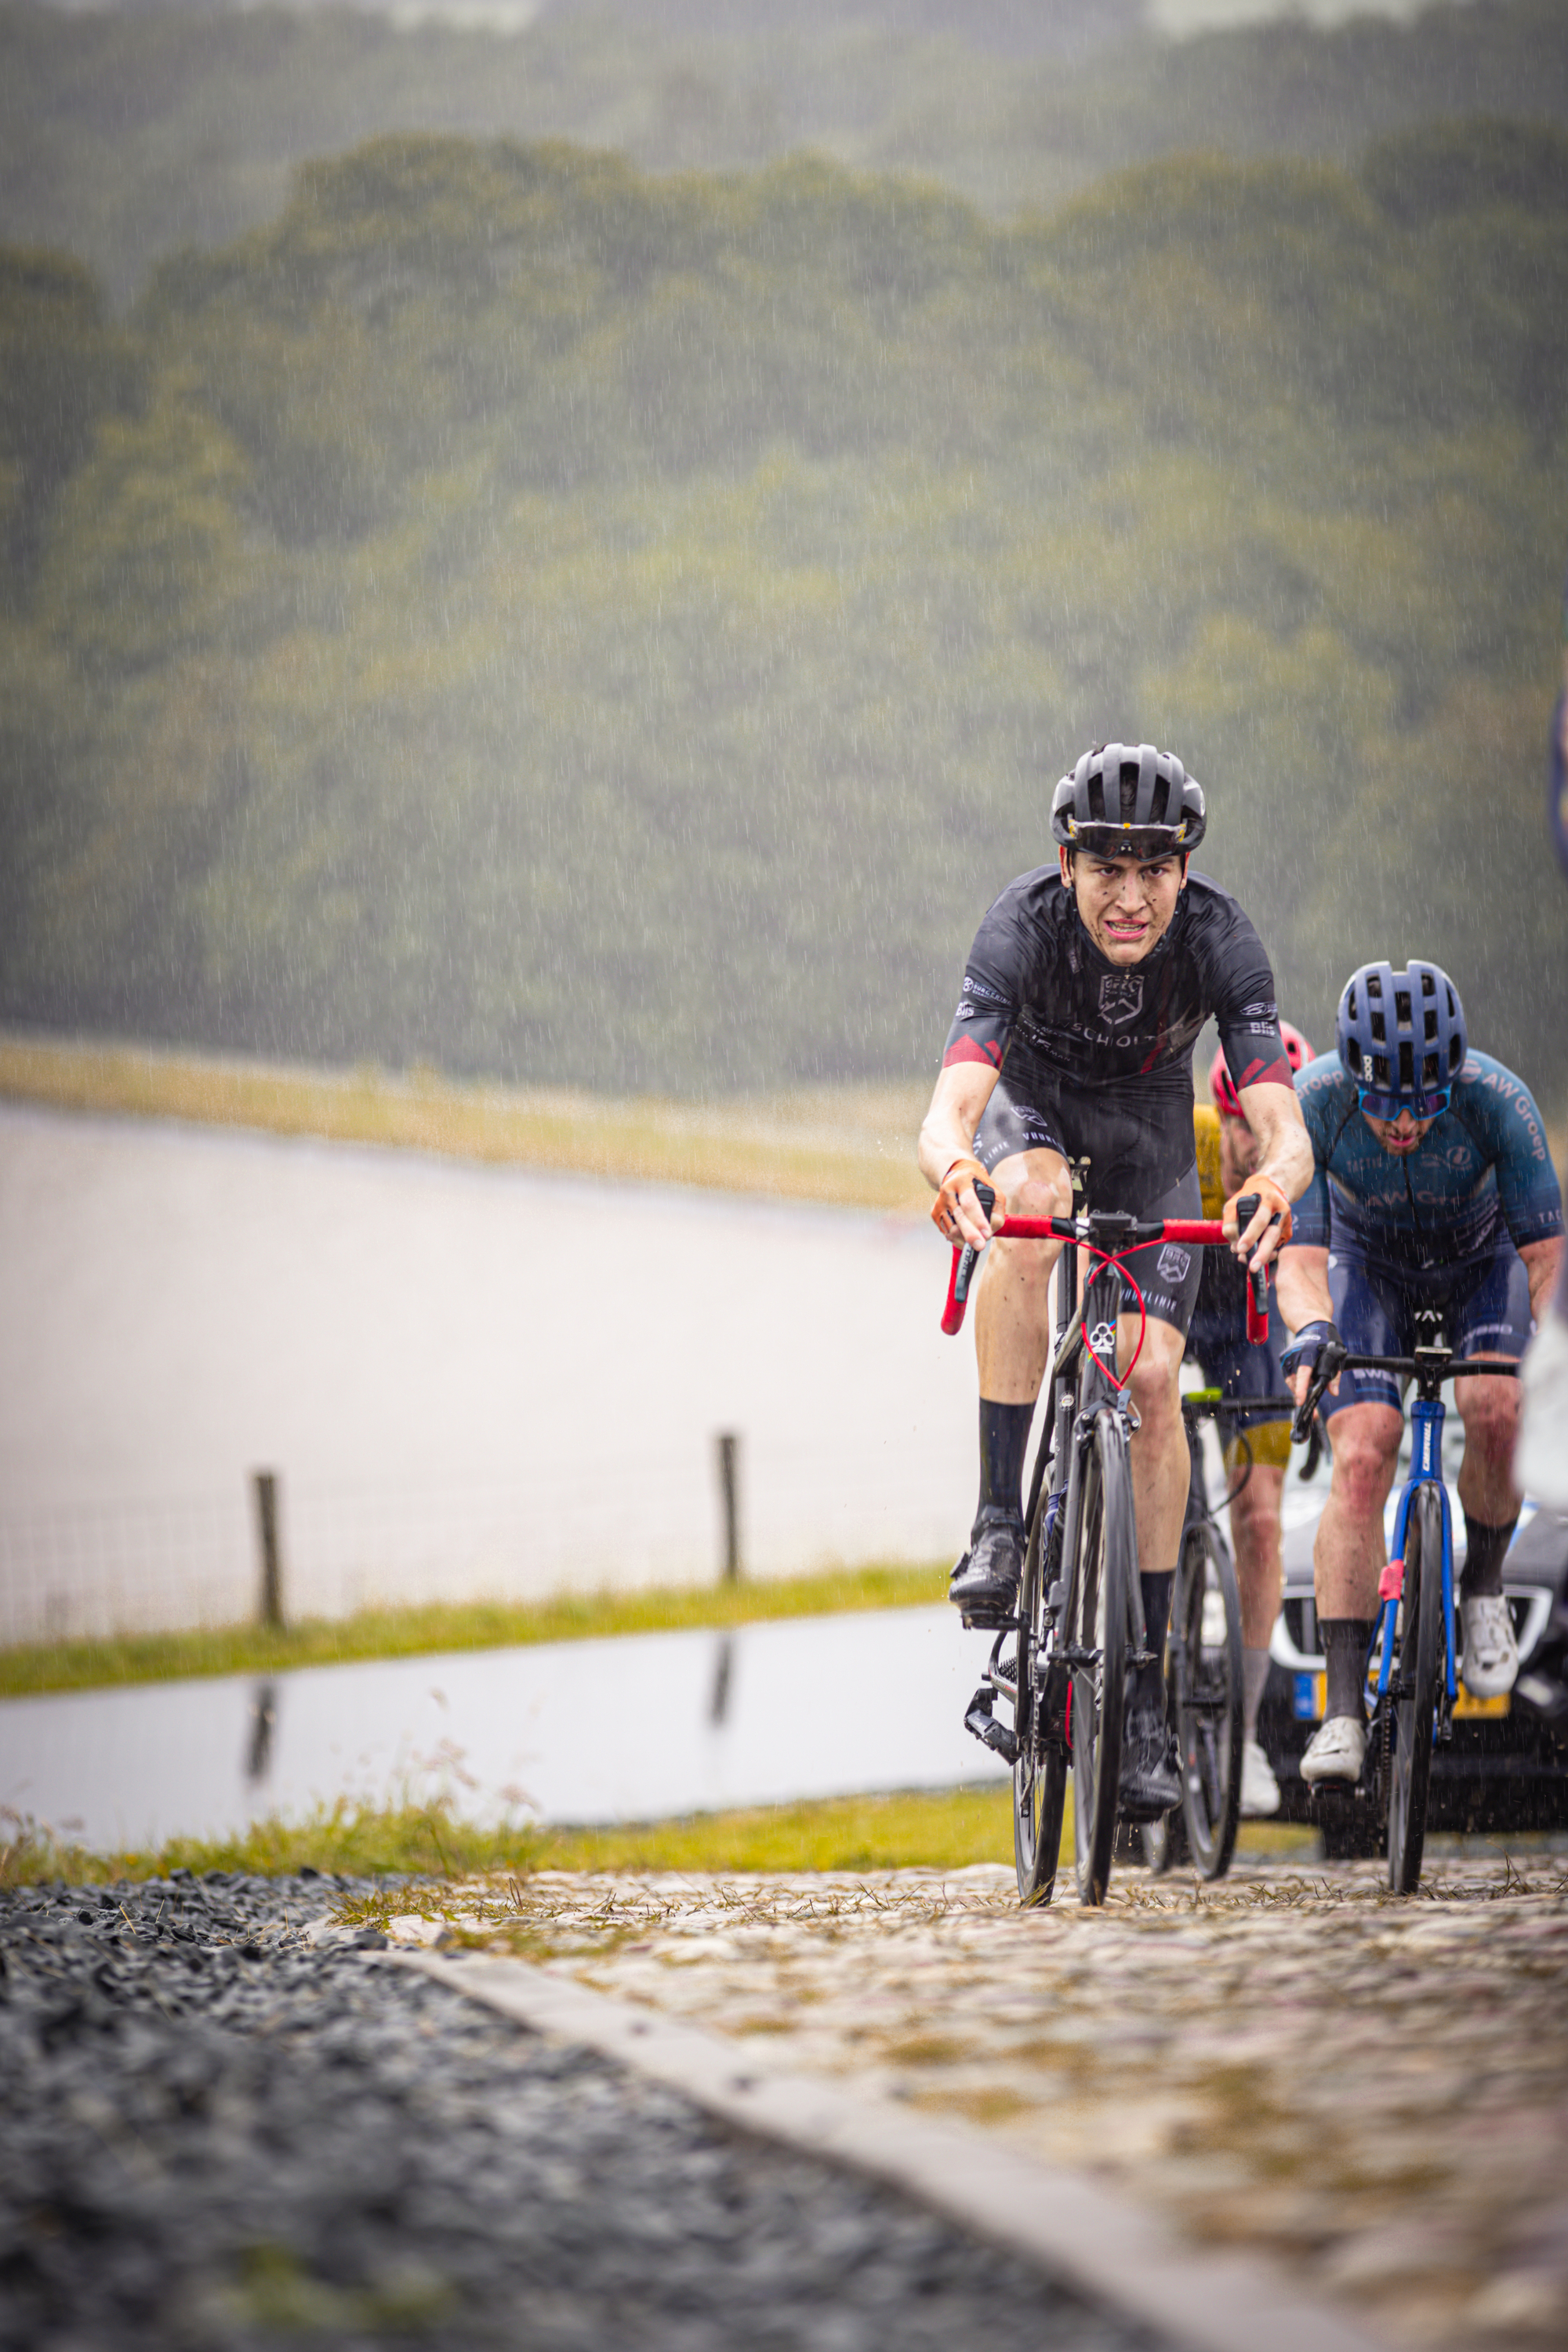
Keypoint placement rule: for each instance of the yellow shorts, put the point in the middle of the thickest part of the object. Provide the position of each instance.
(1269, 1442)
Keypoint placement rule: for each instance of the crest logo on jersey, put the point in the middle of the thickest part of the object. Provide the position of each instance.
(1121, 997)
(1174, 1263)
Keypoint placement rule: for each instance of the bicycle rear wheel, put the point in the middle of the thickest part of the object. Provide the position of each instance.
(1097, 1632)
(1040, 1767)
(1422, 1656)
(1205, 1676)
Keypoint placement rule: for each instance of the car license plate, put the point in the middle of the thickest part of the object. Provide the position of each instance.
(1311, 1697)
(1465, 1706)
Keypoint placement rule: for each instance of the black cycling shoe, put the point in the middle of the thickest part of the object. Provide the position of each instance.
(984, 1584)
(1151, 1780)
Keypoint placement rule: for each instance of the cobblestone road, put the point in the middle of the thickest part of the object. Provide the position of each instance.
(1374, 2092)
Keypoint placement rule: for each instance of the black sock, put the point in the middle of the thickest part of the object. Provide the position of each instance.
(1484, 1550)
(1156, 1590)
(1003, 1439)
(1345, 1643)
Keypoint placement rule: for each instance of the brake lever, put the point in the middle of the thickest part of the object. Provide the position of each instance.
(1247, 1208)
(1330, 1364)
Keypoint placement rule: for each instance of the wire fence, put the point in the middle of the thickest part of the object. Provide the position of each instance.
(168, 1566)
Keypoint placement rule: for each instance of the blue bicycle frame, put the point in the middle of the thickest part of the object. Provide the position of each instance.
(1426, 1470)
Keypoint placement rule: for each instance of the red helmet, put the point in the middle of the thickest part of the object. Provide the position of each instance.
(1228, 1102)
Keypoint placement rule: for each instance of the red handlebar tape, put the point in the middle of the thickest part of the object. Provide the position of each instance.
(1204, 1232)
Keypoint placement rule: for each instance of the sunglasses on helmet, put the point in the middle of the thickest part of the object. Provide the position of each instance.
(1429, 1105)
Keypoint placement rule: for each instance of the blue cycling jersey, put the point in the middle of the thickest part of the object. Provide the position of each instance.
(1481, 1175)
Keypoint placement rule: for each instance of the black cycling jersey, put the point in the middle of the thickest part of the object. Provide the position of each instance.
(1040, 999)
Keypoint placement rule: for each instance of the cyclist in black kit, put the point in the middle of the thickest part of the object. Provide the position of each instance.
(1083, 997)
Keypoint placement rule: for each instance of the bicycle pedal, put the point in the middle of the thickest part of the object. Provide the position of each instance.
(980, 1721)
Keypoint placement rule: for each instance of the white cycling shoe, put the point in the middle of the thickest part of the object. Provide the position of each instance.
(1335, 1751)
(1491, 1663)
(1259, 1788)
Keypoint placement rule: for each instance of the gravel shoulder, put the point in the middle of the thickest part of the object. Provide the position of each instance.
(227, 2123)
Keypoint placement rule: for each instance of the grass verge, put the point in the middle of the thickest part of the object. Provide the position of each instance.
(435, 1627)
(944, 1828)
(853, 1145)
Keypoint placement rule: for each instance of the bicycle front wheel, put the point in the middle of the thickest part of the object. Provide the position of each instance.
(1039, 1768)
(1096, 1640)
(1422, 1655)
(1205, 1676)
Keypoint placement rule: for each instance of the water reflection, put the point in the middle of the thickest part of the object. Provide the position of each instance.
(583, 1732)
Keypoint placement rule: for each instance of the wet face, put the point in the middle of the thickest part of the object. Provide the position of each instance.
(1400, 1137)
(1125, 907)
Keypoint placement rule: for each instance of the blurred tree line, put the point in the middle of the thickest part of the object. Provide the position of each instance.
(569, 626)
(127, 132)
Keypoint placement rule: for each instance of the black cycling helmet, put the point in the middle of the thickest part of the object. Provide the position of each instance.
(1127, 800)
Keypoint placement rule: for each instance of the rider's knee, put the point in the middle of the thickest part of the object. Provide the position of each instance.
(1154, 1386)
(1255, 1511)
(1035, 1193)
(1041, 1193)
(1491, 1413)
(1365, 1454)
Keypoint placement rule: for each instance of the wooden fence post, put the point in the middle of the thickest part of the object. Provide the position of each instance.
(266, 1485)
(728, 1487)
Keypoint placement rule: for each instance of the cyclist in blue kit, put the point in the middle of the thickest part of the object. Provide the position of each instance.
(1542, 1461)
(1083, 997)
(1434, 1193)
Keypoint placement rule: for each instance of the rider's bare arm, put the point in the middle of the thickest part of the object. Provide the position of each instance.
(1304, 1297)
(1542, 1261)
(947, 1135)
(1285, 1159)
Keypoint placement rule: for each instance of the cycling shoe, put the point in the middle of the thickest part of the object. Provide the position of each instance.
(1259, 1788)
(984, 1584)
(1151, 1765)
(1335, 1751)
(1491, 1663)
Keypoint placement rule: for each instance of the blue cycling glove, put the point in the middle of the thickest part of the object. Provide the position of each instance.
(1307, 1347)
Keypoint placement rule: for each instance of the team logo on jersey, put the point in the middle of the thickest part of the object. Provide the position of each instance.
(1121, 997)
(1174, 1263)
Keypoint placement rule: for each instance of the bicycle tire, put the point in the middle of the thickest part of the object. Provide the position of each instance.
(1097, 1621)
(1207, 1701)
(1422, 1654)
(1039, 1767)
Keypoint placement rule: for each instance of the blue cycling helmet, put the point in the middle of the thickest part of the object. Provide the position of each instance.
(1402, 1038)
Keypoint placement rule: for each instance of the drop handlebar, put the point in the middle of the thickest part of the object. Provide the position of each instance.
(1113, 1237)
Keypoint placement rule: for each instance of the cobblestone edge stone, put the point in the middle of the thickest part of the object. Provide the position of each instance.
(1109, 2252)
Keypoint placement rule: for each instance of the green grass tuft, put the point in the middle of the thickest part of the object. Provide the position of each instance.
(455, 1625)
(424, 1841)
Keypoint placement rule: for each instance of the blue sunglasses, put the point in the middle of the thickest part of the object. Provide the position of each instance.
(1390, 1106)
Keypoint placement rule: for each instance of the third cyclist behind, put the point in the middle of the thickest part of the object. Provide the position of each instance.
(1258, 1451)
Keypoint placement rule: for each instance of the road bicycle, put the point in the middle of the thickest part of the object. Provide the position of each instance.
(1410, 1664)
(1080, 1622)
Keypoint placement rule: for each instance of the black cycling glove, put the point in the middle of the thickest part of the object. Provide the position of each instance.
(1307, 1347)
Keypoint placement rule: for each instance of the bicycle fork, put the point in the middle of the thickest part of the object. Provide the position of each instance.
(1426, 1470)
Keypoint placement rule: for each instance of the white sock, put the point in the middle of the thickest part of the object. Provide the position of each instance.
(1254, 1674)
